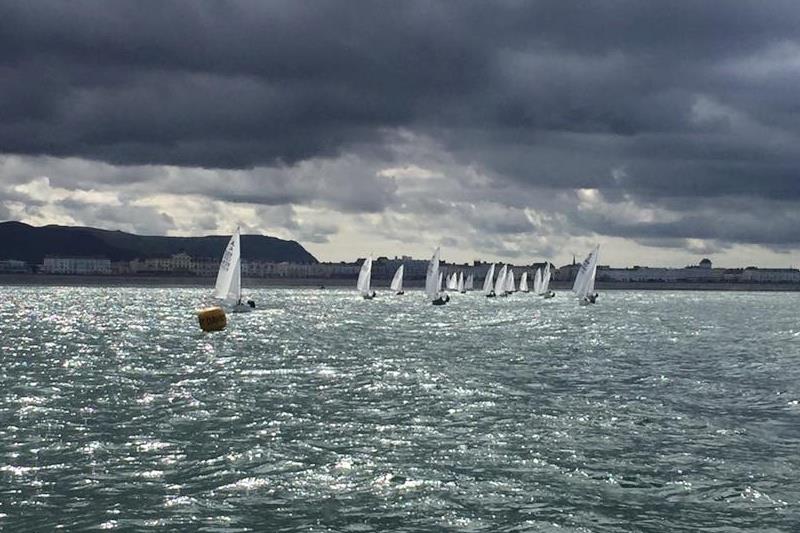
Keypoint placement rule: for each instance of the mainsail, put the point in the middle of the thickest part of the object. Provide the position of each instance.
(470, 283)
(397, 280)
(511, 285)
(523, 282)
(537, 282)
(433, 277)
(488, 280)
(365, 277)
(584, 280)
(500, 282)
(452, 282)
(546, 278)
(229, 277)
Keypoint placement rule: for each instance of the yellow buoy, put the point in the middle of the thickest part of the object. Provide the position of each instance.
(212, 319)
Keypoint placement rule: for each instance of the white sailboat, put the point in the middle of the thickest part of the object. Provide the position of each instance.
(441, 282)
(452, 282)
(511, 284)
(488, 282)
(523, 282)
(584, 280)
(500, 282)
(537, 282)
(470, 283)
(546, 292)
(229, 278)
(433, 282)
(365, 279)
(461, 287)
(397, 281)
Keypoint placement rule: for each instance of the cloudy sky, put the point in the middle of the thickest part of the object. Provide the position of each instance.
(524, 130)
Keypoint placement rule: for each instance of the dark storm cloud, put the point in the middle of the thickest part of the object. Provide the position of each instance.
(662, 104)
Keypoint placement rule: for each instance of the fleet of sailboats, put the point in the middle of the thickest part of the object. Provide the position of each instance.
(505, 282)
(228, 287)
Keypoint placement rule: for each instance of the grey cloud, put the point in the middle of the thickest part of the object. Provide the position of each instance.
(680, 106)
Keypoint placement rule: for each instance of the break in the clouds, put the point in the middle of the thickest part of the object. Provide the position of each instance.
(499, 129)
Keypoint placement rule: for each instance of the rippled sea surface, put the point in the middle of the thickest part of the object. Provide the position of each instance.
(650, 411)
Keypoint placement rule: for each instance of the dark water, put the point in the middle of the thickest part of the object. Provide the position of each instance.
(651, 411)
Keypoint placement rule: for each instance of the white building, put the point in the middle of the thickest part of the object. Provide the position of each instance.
(13, 266)
(76, 265)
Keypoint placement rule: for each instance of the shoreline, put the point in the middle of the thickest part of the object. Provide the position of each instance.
(54, 280)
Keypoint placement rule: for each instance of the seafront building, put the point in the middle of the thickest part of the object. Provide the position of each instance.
(13, 266)
(76, 265)
(383, 268)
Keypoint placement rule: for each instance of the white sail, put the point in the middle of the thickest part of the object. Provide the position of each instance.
(441, 282)
(433, 277)
(546, 278)
(461, 282)
(229, 277)
(537, 282)
(452, 282)
(500, 282)
(511, 284)
(523, 282)
(488, 280)
(470, 283)
(365, 277)
(397, 280)
(584, 280)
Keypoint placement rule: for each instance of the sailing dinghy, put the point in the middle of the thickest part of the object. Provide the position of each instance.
(365, 279)
(546, 292)
(488, 283)
(523, 282)
(397, 281)
(433, 282)
(500, 282)
(584, 280)
(229, 278)
(511, 284)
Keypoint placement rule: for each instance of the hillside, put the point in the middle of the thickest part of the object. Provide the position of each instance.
(33, 244)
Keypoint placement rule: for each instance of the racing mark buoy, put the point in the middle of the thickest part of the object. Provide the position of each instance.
(212, 319)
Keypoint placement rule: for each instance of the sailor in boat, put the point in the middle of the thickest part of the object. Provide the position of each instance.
(441, 300)
(549, 294)
(491, 294)
(592, 298)
(242, 307)
(370, 295)
(400, 293)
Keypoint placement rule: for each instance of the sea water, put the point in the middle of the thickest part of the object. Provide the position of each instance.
(320, 411)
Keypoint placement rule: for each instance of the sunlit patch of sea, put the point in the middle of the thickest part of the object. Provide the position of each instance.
(651, 411)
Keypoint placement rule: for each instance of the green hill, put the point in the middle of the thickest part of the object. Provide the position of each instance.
(33, 244)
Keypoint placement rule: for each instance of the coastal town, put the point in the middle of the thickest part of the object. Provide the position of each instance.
(184, 265)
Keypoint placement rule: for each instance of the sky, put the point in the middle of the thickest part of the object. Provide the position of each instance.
(506, 130)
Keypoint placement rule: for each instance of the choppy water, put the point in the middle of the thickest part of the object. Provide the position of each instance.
(650, 411)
